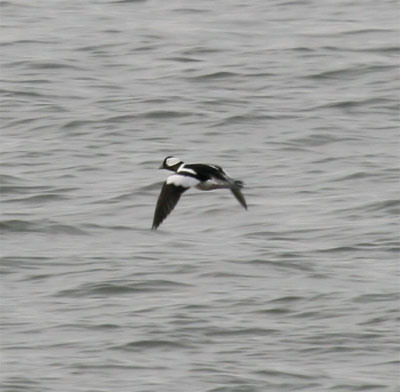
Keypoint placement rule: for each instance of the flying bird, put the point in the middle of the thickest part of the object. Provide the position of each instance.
(198, 175)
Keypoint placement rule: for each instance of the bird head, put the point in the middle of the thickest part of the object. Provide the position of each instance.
(171, 163)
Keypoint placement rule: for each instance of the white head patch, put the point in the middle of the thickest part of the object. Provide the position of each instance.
(172, 161)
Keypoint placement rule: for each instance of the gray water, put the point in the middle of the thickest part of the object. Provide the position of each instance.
(297, 99)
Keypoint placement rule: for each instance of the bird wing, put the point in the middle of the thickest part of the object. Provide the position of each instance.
(170, 194)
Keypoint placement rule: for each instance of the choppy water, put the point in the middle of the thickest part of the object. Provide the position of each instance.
(298, 99)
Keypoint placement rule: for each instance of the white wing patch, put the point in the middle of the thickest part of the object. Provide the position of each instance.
(185, 169)
(217, 167)
(180, 180)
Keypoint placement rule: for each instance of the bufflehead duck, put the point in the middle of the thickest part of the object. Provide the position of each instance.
(198, 175)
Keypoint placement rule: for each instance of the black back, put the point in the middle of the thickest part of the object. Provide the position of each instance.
(206, 172)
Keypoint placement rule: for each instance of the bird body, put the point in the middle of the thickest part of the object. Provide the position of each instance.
(199, 175)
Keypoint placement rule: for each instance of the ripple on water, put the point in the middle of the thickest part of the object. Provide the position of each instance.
(118, 288)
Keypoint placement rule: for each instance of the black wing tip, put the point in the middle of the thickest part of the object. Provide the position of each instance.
(156, 224)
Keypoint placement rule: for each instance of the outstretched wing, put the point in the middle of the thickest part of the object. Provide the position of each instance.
(170, 195)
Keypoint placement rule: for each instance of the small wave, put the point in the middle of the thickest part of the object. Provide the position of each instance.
(26, 42)
(365, 31)
(339, 249)
(153, 114)
(164, 114)
(114, 288)
(21, 93)
(284, 375)
(183, 59)
(64, 229)
(16, 225)
(247, 118)
(21, 226)
(152, 344)
(92, 226)
(191, 10)
(77, 124)
(127, 1)
(201, 50)
(276, 311)
(291, 298)
(226, 274)
(12, 264)
(104, 326)
(368, 298)
(240, 331)
(374, 49)
(150, 187)
(282, 264)
(383, 49)
(121, 118)
(116, 199)
(316, 140)
(8, 179)
(374, 321)
(391, 206)
(51, 65)
(372, 102)
(20, 383)
(214, 75)
(355, 176)
(37, 199)
(94, 48)
(351, 72)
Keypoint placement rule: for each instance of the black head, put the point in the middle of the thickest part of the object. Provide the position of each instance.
(171, 163)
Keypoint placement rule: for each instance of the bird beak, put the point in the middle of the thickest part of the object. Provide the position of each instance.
(161, 167)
